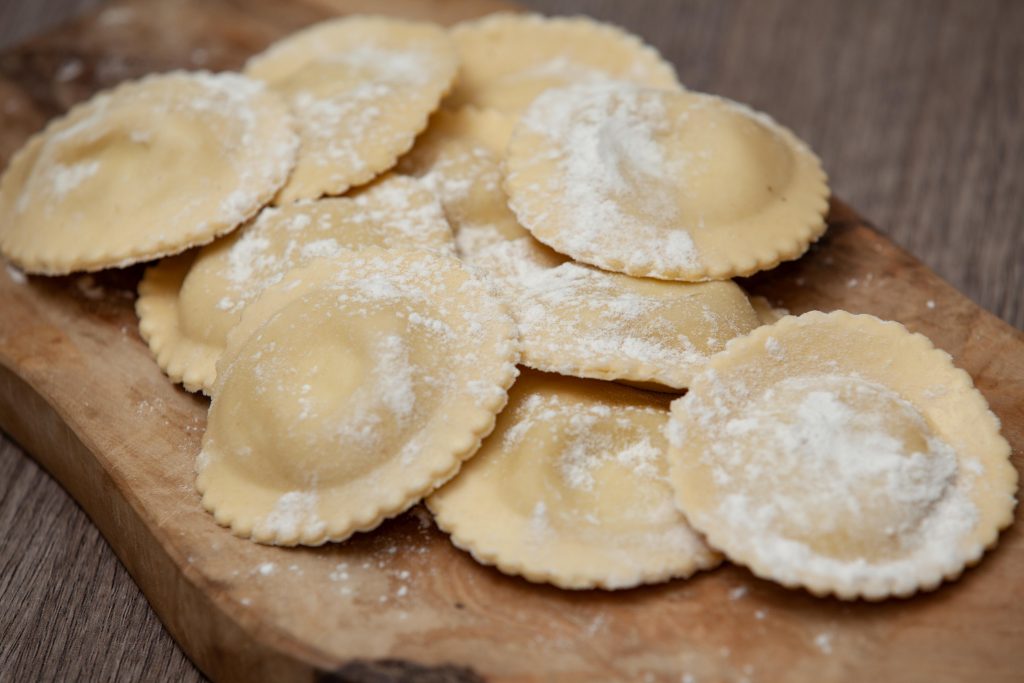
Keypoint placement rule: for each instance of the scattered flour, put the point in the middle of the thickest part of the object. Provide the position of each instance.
(603, 139)
(69, 70)
(87, 286)
(294, 513)
(591, 448)
(346, 122)
(395, 212)
(774, 348)
(394, 385)
(566, 70)
(17, 276)
(575, 319)
(539, 525)
(836, 459)
(67, 178)
(339, 573)
(738, 593)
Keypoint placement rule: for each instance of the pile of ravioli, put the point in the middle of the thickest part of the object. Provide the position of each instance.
(489, 268)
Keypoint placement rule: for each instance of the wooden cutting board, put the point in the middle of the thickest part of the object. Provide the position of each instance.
(79, 391)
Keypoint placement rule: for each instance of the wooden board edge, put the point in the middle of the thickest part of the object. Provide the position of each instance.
(228, 651)
(221, 646)
(215, 642)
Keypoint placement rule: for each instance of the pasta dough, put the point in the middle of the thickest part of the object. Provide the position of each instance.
(581, 321)
(571, 489)
(362, 88)
(672, 185)
(843, 454)
(507, 60)
(350, 390)
(459, 157)
(187, 304)
(145, 170)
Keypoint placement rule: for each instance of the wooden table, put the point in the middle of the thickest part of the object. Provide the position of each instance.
(915, 108)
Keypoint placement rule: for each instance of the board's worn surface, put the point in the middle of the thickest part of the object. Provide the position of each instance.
(79, 390)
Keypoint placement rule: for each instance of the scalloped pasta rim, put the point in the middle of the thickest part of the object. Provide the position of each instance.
(1004, 476)
(37, 262)
(574, 23)
(477, 421)
(480, 543)
(632, 372)
(423, 106)
(808, 225)
(191, 361)
(184, 360)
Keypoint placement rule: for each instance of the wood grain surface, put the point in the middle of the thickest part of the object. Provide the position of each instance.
(915, 108)
(79, 389)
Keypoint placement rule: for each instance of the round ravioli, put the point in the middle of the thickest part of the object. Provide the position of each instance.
(147, 169)
(672, 185)
(510, 59)
(362, 88)
(349, 391)
(459, 157)
(188, 303)
(585, 322)
(843, 454)
(572, 489)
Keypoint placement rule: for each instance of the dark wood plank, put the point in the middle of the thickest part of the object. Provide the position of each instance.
(70, 610)
(915, 108)
(21, 19)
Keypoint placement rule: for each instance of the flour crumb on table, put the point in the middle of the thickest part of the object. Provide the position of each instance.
(823, 641)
